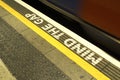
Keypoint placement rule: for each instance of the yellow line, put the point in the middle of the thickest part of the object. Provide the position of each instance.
(82, 63)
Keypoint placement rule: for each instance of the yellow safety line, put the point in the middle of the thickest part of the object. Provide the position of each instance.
(82, 63)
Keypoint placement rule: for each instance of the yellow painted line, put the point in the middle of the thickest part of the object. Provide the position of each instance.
(82, 63)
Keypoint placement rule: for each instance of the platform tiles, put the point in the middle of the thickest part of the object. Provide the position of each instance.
(28, 56)
(90, 59)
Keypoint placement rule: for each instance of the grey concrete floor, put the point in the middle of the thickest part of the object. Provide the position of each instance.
(27, 56)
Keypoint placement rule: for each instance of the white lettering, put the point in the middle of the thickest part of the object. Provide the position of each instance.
(85, 53)
(92, 59)
(79, 49)
(53, 31)
(47, 27)
(69, 42)
(57, 36)
(28, 15)
(37, 20)
(72, 44)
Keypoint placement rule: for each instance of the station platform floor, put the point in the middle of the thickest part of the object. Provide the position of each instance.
(25, 55)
